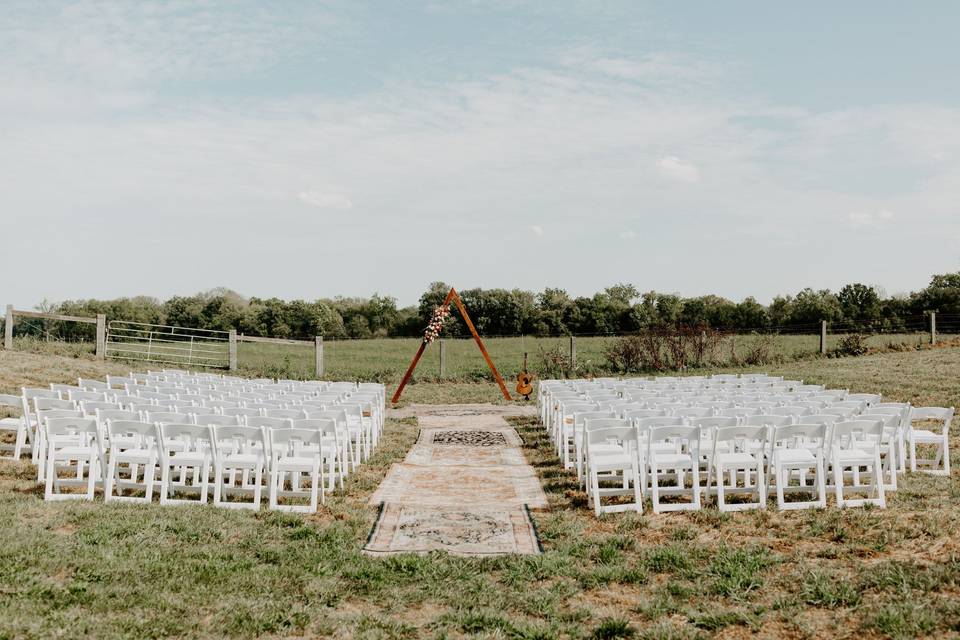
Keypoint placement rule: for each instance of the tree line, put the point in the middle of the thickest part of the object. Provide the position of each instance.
(618, 309)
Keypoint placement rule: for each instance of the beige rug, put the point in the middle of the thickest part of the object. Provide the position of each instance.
(474, 531)
(464, 488)
(456, 486)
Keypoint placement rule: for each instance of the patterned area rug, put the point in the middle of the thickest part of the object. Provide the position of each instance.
(464, 488)
(477, 531)
(456, 486)
(474, 438)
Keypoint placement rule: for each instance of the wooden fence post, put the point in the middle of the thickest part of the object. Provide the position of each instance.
(101, 336)
(823, 337)
(573, 354)
(933, 327)
(8, 329)
(442, 356)
(233, 349)
(318, 345)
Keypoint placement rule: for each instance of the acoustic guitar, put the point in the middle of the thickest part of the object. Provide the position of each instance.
(525, 380)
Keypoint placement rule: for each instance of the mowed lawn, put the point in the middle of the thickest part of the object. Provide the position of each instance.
(95, 570)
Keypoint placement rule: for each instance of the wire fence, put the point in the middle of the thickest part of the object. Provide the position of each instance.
(458, 358)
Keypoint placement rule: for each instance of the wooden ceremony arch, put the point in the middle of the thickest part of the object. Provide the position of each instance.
(454, 297)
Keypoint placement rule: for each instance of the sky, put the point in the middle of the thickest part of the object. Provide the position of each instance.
(312, 149)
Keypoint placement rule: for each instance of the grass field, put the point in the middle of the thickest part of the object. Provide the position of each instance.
(100, 570)
(385, 360)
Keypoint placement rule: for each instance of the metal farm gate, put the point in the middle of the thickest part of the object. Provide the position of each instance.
(163, 344)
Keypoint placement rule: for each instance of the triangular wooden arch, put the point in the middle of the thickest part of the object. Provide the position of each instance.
(453, 296)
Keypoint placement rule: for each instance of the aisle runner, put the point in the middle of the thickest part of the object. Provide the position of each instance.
(464, 488)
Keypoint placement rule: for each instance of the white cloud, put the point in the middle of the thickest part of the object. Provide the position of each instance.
(583, 147)
(872, 220)
(325, 200)
(679, 170)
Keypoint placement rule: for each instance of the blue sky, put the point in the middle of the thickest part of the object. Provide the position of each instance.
(312, 149)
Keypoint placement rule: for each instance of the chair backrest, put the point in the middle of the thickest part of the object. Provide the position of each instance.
(326, 426)
(56, 414)
(790, 411)
(826, 419)
(869, 398)
(45, 404)
(338, 415)
(247, 438)
(659, 421)
(693, 413)
(269, 423)
(606, 423)
(281, 440)
(569, 408)
(92, 385)
(943, 414)
(168, 417)
(90, 407)
(626, 435)
(117, 414)
(714, 422)
(192, 437)
(675, 432)
(290, 414)
(760, 404)
(848, 431)
(119, 382)
(71, 425)
(215, 420)
(634, 414)
(221, 404)
(64, 389)
(746, 433)
(740, 412)
(890, 420)
(235, 411)
(789, 434)
(579, 418)
(11, 401)
(841, 412)
(77, 396)
(127, 427)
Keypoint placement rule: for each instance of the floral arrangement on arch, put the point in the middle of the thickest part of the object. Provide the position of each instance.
(439, 317)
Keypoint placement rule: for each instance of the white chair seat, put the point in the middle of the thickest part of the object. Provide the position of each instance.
(850, 456)
(190, 459)
(924, 435)
(141, 456)
(247, 459)
(72, 453)
(610, 462)
(671, 459)
(733, 459)
(794, 455)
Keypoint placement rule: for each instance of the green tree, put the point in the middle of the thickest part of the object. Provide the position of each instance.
(860, 305)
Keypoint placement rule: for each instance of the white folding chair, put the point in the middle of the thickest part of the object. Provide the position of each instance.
(238, 453)
(16, 426)
(798, 448)
(330, 449)
(186, 447)
(738, 449)
(291, 453)
(664, 463)
(132, 445)
(73, 443)
(855, 445)
(938, 437)
(613, 451)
